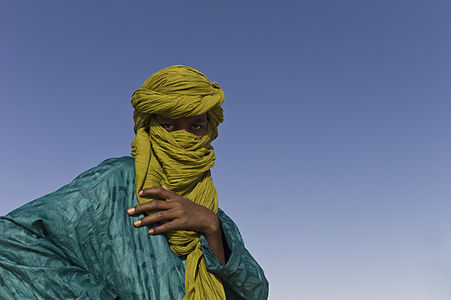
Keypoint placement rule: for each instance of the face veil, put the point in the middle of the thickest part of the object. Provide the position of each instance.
(180, 160)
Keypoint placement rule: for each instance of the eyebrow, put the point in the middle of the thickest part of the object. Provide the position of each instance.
(164, 119)
(199, 120)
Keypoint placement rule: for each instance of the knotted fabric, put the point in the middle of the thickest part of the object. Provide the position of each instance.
(180, 160)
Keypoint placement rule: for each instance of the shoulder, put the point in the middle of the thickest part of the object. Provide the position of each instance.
(92, 188)
(117, 167)
(111, 165)
(230, 229)
(113, 172)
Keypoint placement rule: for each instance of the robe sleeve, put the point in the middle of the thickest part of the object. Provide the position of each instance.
(31, 267)
(79, 243)
(241, 276)
(42, 245)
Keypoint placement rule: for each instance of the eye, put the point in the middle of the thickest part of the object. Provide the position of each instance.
(196, 127)
(168, 126)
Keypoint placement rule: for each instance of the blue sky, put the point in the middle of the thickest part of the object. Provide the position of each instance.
(334, 157)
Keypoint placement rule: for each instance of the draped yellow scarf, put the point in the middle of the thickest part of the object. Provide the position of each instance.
(180, 160)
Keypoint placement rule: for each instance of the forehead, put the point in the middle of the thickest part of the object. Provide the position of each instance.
(200, 118)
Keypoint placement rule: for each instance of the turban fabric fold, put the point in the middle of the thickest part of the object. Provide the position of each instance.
(180, 160)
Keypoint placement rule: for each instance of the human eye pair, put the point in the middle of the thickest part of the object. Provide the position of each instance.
(171, 127)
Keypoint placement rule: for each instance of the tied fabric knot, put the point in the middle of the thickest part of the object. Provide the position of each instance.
(180, 160)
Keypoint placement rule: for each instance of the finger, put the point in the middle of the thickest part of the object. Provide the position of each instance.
(163, 228)
(149, 206)
(159, 192)
(156, 217)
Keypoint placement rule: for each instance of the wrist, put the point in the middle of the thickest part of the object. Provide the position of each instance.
(212, 226)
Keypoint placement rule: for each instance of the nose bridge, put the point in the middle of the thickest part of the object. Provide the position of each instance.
(183, 124)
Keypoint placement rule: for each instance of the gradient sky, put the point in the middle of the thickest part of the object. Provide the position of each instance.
(334, 157)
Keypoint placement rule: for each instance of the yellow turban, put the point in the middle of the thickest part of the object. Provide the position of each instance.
(180, 160)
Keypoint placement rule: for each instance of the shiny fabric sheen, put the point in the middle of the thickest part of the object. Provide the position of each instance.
(79, 243)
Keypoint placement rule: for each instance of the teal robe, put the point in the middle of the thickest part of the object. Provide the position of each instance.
(79, 243)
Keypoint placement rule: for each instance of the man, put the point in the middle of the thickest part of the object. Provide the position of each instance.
(79, 242)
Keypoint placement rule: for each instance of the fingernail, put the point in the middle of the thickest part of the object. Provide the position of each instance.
(151, 231)
(131, 210)
(137, 222)
(140, 193)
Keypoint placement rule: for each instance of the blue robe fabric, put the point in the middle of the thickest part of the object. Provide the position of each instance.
(79, 243)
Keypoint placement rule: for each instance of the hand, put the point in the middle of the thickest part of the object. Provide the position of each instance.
(180, 212)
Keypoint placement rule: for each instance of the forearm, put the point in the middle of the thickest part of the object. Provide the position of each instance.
(215, 241)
